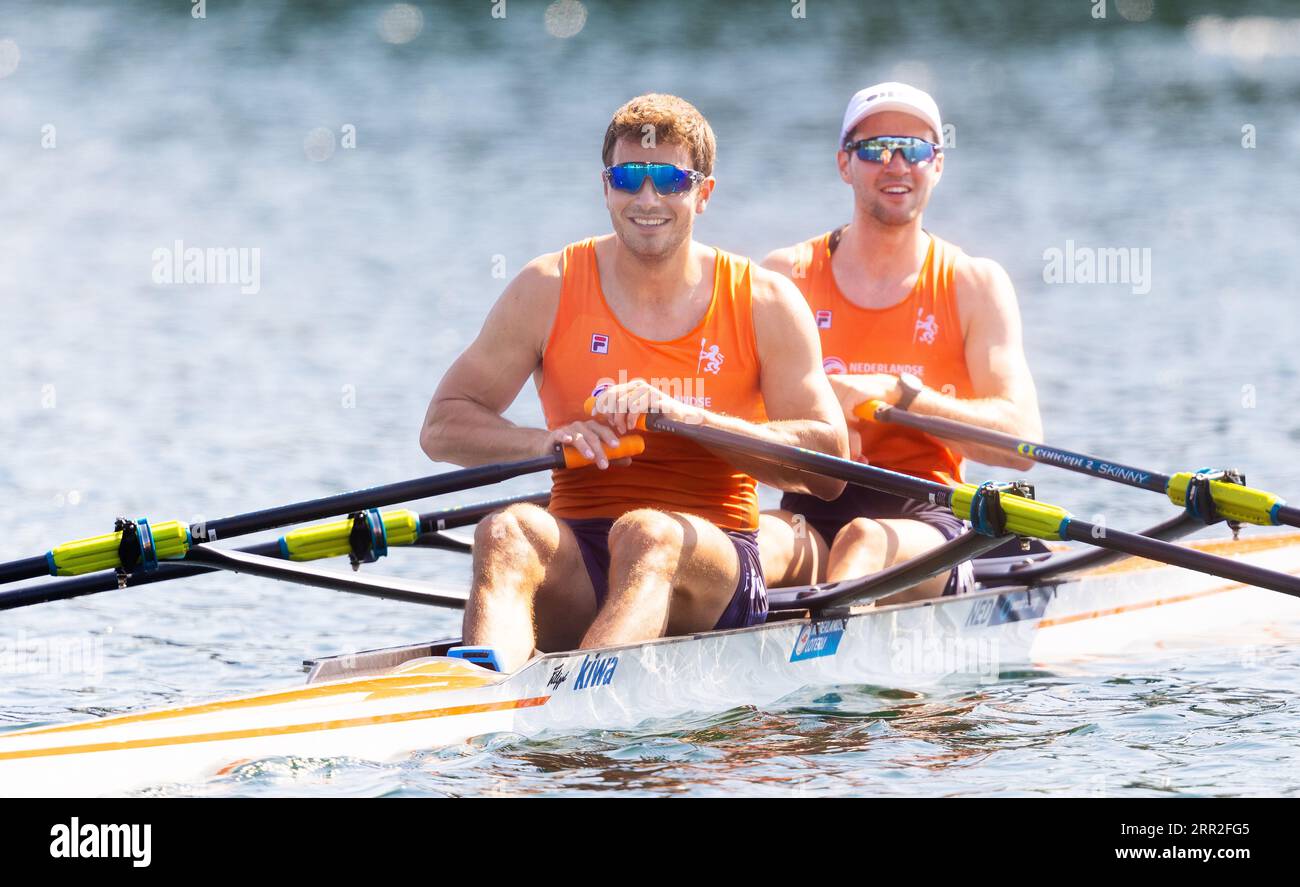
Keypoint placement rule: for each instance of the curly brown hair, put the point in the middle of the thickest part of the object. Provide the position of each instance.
(671, 120)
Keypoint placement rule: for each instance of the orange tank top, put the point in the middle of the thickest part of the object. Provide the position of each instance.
(714, 366)
(921, 335)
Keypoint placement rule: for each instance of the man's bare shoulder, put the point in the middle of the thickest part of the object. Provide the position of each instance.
(982, 282)
(543, 271)
(525, 310)
(780, 312)
(775, 291)
(784, 260)
(536, 288)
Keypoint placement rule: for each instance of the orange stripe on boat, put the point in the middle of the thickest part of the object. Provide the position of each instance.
(379, 687)
(319, 726)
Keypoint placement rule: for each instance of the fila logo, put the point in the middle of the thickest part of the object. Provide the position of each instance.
(823, 320)
(599, 343)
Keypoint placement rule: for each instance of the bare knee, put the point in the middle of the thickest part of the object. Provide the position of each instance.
(514, 538)
(863, 536)
(792, 553)
(653, 540)
(861, 531)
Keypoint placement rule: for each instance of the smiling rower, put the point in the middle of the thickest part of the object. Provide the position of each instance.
(647, 319)
(908, 319)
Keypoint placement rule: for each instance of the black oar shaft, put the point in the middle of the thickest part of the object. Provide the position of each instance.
(431, 522)
(327, 506)
(93, 583)
(904, 485)
(372, 497)
(1082, 463)
(1189, 558)
(386, 587)
(27, 568)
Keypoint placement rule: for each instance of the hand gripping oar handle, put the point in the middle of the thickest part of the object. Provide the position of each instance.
(628, 446)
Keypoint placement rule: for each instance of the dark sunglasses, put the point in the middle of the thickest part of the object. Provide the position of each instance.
(667, 179)
(881, 149)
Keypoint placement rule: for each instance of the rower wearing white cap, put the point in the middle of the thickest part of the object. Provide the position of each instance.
(908, 319)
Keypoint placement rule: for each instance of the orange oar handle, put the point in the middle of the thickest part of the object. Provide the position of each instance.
(629, 446)
(866, 411)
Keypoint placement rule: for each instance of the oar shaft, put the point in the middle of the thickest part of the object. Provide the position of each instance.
(386, 587)
(1228, 498)
(1022, 516)
(27, 568)
(94, 583)
(1082, 463)
(328, 506)
(431, 523)
(371, 497)
(1189, 558)
(147, 543)
(893, 482)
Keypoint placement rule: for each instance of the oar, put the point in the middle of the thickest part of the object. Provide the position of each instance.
(139, 544)
(431, 525)
(1226, 499)
(386, 587)
(990, 509)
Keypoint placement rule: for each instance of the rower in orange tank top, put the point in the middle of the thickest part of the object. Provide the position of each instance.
(905, 318)
(714, 366)
(649, 318)
(921, 335)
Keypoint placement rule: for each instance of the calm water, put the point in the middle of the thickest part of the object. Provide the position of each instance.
(130, 126)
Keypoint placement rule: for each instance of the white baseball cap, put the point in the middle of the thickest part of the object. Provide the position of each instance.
(891, 96)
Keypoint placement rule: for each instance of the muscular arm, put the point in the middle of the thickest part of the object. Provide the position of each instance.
(463, 424)
(1005, 398)
(801, 409)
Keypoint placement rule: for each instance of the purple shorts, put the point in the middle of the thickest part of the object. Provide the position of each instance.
(828, 518)
(748, 605)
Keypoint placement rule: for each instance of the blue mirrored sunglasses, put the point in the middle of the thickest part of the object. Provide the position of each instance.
(881, 149)
(667, 179)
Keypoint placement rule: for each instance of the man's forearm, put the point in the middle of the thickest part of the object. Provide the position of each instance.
(993, 413)
(463, 432)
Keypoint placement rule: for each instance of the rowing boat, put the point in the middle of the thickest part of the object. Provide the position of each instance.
(381, 704)
(1123, 593)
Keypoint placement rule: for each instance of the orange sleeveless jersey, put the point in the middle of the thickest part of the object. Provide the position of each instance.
(920, 335)
(714, 366)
